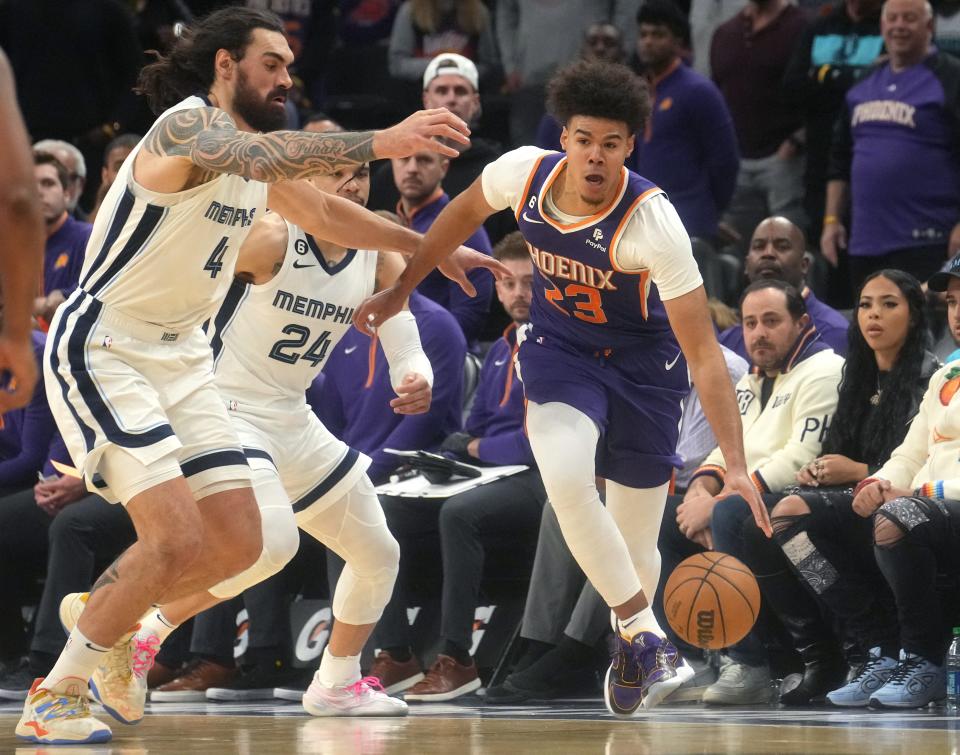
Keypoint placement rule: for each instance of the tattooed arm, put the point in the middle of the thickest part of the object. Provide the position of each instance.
(204, 142)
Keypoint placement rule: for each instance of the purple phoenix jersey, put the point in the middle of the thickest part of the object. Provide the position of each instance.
(600, 340)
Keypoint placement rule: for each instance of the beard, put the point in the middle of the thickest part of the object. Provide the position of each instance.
(260, 114)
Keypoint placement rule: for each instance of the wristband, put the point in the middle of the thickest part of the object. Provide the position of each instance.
(828, 219)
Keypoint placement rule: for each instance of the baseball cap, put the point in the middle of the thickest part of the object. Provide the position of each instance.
(940, 281)
(451, 63)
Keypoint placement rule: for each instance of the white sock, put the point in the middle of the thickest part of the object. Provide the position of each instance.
(156, 623)
(641, 621)
(75, 666)
(336, 671)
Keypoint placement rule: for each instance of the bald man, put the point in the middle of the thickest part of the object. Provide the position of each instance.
(21, 234)
(894, 155)
(778, 250)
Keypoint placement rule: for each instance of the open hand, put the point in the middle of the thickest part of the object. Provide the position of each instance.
(419, 133)
(738, 483)
(463, 259)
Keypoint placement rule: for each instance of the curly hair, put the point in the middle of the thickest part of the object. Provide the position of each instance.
(188, 67)
(885, 427)
(599, 90)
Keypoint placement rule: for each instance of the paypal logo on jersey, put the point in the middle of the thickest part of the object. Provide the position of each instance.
(595, 241)
(224, 214)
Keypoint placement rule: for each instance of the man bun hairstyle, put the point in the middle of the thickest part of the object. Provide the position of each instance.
(599, 90)
(188, 68)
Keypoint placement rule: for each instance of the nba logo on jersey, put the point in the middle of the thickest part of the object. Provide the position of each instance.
(107, 342)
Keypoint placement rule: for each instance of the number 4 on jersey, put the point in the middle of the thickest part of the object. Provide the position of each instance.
(215, 262)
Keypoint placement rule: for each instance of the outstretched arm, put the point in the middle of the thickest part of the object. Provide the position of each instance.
(207, 140)
(22, 239)
(458, 220)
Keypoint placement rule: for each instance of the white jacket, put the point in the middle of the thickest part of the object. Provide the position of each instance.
(789, 431)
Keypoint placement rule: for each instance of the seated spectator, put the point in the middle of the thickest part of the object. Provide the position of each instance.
(819, 542)
(508, 508)
(423, 29)
(354, 400)
(913, 500)
(418, 180)
(778, 252)
(557, 657)
(66, 238)
(786, 403)
(113, 156)
(59, 531)
(72, 159)
(320, 123)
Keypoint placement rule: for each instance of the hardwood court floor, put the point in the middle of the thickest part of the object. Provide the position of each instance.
(470, 728)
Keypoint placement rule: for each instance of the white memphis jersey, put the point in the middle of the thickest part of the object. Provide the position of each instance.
(167, 259)
(270, 341)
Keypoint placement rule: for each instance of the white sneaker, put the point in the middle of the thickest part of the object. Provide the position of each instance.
(362, 698)
(71, 606)
(739, 684)
(58, 719)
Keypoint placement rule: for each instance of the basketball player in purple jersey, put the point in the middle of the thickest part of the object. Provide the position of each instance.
(618, 312)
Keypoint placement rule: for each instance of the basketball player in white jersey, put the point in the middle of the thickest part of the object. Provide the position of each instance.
(292, 302)
(129, 370)
(21, 236)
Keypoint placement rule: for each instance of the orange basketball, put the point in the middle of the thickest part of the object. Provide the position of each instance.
(711, 600)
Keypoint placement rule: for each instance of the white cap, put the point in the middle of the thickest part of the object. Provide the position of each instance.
(451, 63)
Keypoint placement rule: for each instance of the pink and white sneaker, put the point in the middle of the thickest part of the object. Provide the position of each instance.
(120, 682)
(362, 698)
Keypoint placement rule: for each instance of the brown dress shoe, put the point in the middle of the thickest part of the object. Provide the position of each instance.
(159, 674)
(394, 675)
(193, 682)
(445, 680)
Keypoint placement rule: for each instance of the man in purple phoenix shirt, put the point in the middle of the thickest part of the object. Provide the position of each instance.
(895, 155)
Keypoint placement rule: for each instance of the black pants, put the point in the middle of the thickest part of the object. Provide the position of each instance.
(918, 545)
(920, 261)
(70, 548)
(830, 552)
(506, 510)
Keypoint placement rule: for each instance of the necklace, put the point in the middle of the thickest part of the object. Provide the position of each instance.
(875, 398)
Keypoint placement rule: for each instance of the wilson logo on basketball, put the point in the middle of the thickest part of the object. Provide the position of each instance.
(705, 624)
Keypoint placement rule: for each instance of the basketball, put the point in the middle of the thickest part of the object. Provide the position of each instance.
(711, 600)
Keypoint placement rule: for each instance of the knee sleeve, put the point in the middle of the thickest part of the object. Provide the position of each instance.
(356, 530)
(281, 538)
(564, 442)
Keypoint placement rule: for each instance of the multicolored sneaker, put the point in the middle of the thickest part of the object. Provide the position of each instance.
(58, 719)
(915, 683)
(120, 683)
(643, 673)
(874, 673)
(362, 698)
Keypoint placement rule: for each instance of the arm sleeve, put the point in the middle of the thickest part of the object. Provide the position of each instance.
(816, 399)
(403, 64)
(841, 147)
(471, 311)
(656, 239)
(447, 350)
(504, 180)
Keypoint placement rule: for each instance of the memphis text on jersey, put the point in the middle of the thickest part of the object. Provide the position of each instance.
(313, 308)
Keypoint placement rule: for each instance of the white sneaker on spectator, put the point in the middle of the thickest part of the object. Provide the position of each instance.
(362, 698)
(739, 684)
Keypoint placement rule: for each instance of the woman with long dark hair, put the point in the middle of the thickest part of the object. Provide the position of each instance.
(822, 551)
